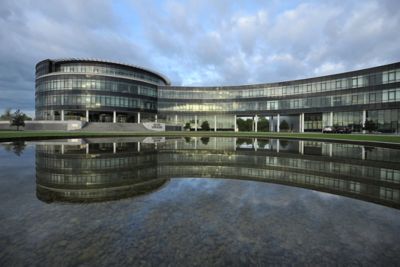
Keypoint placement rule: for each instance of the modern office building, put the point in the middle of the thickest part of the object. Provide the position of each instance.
(103, 91)
(96, 91)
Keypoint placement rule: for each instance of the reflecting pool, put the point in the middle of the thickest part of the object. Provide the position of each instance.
(198, 202)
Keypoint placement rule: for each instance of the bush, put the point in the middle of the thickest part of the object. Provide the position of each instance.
(263, 125)
(370, 126)
(205, 126)
(284, 125)
(187, 126)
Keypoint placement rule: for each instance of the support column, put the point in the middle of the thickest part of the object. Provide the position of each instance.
(87, 149)
(62, 149)
(87, 115)
(364, 120)
(278, 145)
(330, 150)
(138, 147)
(114, 148)
(301, 123)
(62, 115)
(114, 116)
(138, 117)
(176, 119)
(156, 118)
(236, 128)
(195, 123)
(256, 123)
(330, 118)
(255, 144)
(278, 122)
(234, 144)
(195, 143)
(215, 123)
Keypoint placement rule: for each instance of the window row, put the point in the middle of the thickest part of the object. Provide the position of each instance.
(104, 69)
(90, 101)
(271, 91)
(310, 102)
(95, 84)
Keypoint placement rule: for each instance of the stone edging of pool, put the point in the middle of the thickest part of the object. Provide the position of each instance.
(389, 141)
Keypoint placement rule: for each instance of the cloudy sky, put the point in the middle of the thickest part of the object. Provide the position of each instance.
(197, 42)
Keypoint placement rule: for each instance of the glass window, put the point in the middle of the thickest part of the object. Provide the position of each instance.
(372, 97)
(392, 95)
(392, 76)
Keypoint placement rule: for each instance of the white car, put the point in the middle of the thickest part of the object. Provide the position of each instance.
(328, 129)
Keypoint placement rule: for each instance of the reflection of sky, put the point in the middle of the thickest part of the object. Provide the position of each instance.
(192, 221)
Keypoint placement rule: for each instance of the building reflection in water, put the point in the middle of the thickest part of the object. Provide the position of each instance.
(85, 170)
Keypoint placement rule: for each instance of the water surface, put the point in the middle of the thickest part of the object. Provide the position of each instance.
(198, 201)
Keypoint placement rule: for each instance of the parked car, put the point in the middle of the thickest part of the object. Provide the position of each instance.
(328, 129)
(342, 129)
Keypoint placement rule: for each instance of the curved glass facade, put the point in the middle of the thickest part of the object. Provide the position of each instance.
(92, 90)
(65, 89)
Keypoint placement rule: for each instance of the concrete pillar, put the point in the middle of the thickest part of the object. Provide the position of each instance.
(301, 123)
(330, 150)
(62, 115)
(138, 117)
(87, 149)
(195, 143)
(278, 145)
(114, 148)
(114, 116)
(278, 122)
(87, 115)
(176, 144)
(138, 147)
(234, 144)
(255, 144)
(155, 118)
(364, 119)
(215, 123)
(256, 123)
(195, 123)
(236, 128)
(176, 119)
(330, 119)
(62, 148)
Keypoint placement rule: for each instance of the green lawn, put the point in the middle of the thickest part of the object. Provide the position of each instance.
(35, 135)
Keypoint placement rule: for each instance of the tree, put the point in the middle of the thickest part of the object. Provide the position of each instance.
(263, 125)
(205, 126)
(18, 119)
(244, 125)
(187, 126)
(284, 126)
(7, 115)
(370, 126)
